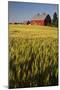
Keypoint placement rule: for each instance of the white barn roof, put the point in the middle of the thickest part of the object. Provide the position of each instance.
(39, 16)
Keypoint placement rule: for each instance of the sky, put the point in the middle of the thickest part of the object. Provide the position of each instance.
(22, 11)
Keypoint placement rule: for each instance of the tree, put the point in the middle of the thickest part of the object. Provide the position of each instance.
(47, 20)
(15, 23)
(28, 22)
(55, 19)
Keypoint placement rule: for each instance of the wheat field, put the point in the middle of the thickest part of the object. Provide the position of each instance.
(33, 56)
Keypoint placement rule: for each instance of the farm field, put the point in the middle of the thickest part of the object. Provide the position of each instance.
(33, 56)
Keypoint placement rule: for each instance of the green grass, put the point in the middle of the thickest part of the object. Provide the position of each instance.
(33, 56)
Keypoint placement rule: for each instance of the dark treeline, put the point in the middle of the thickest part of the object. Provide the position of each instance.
(47, 22)
(51, 22)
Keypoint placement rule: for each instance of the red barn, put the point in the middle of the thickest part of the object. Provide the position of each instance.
(38, 19)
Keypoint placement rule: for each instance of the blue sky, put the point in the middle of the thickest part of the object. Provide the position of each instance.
(22, 11)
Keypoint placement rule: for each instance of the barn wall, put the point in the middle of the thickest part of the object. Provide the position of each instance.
(37, 22)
